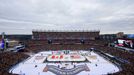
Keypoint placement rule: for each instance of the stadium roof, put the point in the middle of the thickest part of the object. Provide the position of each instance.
(37, 30)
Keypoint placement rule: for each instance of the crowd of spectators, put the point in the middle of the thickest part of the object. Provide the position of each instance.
(127, 68)
(9, 59)
(37, 45)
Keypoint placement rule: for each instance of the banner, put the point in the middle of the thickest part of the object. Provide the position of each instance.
(2, 44)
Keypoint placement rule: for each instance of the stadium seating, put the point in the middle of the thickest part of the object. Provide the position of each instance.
(9, 59)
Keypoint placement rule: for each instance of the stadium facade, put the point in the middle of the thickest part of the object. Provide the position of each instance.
(65, 35)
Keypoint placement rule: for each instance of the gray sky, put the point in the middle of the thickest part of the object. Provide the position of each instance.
(109, 16)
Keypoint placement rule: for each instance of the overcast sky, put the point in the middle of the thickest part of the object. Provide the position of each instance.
(109, 16)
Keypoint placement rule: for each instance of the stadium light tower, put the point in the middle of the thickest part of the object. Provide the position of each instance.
(3, 35)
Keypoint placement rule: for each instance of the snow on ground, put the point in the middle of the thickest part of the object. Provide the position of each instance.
(35, 64)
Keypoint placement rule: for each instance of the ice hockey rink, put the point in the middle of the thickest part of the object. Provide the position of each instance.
(65, 62)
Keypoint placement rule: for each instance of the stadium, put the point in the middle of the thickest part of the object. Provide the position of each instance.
(54, 52)
(66, 37)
